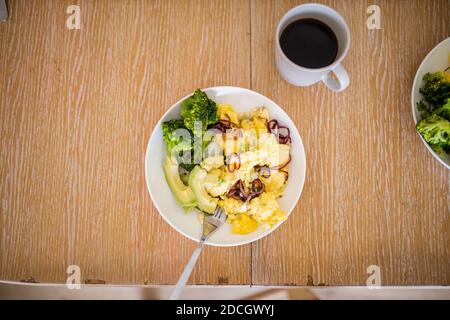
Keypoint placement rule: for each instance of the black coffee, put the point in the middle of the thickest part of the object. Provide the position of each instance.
(309, 43)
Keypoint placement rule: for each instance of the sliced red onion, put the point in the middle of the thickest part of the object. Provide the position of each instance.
(238, 191)
(223, 125)
(281, 166)
(284, 140)
(286, 174)
(256, 189)
(264, 172)
(234, 165)
(274, 128)
(272, 125)
(257, 186)
(287, 132)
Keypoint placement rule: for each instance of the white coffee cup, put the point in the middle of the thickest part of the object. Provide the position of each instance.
(301, 76)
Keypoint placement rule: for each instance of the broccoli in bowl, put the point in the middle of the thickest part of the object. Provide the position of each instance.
(435, 110)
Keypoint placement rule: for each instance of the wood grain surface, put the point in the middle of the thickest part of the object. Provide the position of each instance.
(77, 108)
(373, 195)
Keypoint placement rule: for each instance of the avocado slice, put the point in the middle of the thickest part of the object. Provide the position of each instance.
(205, 202)
(184, 194)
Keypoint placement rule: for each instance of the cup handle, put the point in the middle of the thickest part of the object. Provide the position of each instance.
(342, 79)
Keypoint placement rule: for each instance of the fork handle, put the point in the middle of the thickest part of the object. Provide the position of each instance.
(175, 295)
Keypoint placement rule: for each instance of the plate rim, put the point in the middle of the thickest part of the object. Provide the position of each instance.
(243, 242)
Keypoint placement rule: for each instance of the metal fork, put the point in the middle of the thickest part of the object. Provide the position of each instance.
(210, 224)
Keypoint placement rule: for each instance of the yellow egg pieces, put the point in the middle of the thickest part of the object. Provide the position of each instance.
(276, 182)
(264, 208)
(226, 112)
(243, 224)
(251, 142)
(257, 121)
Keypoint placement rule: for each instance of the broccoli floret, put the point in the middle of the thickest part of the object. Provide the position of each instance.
(423, 108)
(436, 89)
(177, 136)
(180, 142)
(444, 111)
(198, 107)
(436, 131)
(212, 112)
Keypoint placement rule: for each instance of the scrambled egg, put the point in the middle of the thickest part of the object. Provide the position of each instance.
(265, 209)
(243, 224)
(226, 112)
(276, 182)
(257, 122)
(254, 146)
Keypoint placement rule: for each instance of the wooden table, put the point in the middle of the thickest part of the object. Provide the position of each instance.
(77, 108)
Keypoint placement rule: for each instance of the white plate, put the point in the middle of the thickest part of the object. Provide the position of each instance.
(436, 60)
(243, 100)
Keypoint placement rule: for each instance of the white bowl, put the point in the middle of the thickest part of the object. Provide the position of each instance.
(243, 100)
(436, 60)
